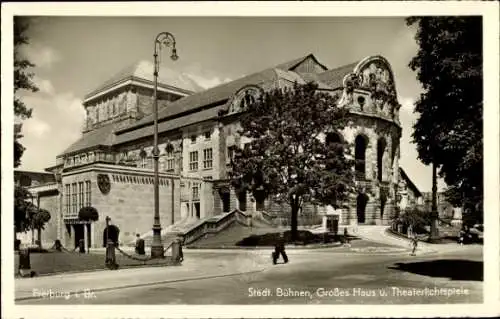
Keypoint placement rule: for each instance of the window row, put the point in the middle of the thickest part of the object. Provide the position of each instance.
(207, 135)
(167, 164)
(207, 159)
(77, 196)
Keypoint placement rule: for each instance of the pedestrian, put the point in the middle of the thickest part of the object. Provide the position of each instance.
(414, 244)
(461, 237)
(81, 246)
(139, 245)
(279, 249)
(346, 238)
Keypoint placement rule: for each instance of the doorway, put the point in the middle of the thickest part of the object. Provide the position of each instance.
(225, 202)
(79, 233)
(197, 210)
(361, 202)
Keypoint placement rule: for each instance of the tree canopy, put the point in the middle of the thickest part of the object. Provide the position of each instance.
(295, 153)
(23, 80)
(448, 131)
(23, 209)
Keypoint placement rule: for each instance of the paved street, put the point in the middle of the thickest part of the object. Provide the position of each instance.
(312, 276)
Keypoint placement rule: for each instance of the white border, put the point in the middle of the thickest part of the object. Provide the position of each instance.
(489, 11)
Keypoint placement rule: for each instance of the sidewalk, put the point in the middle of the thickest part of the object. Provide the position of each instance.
(193, 268)
(379, 234)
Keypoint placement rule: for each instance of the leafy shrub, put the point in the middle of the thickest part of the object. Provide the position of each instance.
(418, 219)
(88, 213)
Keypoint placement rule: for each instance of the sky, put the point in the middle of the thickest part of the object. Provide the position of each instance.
(74, 55)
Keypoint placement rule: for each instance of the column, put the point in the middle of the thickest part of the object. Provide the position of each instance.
(190, 196)
(172, 199)
(85, 237)
(92, 236)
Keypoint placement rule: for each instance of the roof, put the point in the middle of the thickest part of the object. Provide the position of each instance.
(18, 172)
(138, 70)
(211, 96)
(101, 136)
(334, 78)
(222, 92)
(409, 182)
(204, 105)
(166, 126)
(290, 65)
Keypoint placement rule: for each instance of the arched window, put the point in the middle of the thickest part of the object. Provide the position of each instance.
(246, 101)
(244, 98)
(361, 143)
(381, 145)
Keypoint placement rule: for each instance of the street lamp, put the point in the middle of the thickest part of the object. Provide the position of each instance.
(163, 39)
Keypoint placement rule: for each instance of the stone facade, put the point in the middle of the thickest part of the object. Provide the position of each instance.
(128, 202)
(196, 135)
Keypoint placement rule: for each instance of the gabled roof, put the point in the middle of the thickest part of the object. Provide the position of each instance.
(290, 65)
(408, 181)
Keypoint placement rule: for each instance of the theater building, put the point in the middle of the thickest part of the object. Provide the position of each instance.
(111, 166)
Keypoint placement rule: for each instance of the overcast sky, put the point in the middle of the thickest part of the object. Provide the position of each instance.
(74, 55)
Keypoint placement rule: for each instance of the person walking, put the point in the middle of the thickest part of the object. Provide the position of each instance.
(347, 242)
(279, 249)
(414, 244)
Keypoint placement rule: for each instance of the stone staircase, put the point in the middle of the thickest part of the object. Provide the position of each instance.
(192, 229)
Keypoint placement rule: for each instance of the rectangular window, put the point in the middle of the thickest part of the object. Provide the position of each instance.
(74, 199)
(193, 139)
(170, 161)
(81, 203)
(208, 134)
(207, 158)
(196, 193)
(68, 199)
(88, 201)
(193, 161)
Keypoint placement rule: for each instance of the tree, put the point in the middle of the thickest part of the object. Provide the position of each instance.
(18, 147)
(23, 80)
(448, 132)
(288, 157)
(22, 209)
(415, 218)
(40, 218)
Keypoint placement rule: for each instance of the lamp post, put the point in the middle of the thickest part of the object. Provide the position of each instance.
(162, 39)
(107, 219)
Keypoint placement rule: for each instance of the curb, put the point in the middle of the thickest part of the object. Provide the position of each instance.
(151, 283)
(94, 270)
(304, 247)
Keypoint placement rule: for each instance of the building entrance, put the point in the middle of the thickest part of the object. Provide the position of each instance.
(361, 202)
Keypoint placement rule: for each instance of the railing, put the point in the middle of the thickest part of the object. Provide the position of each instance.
(214, 225)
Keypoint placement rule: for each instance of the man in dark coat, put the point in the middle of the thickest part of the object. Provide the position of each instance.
(279, 248)
(139, 245)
